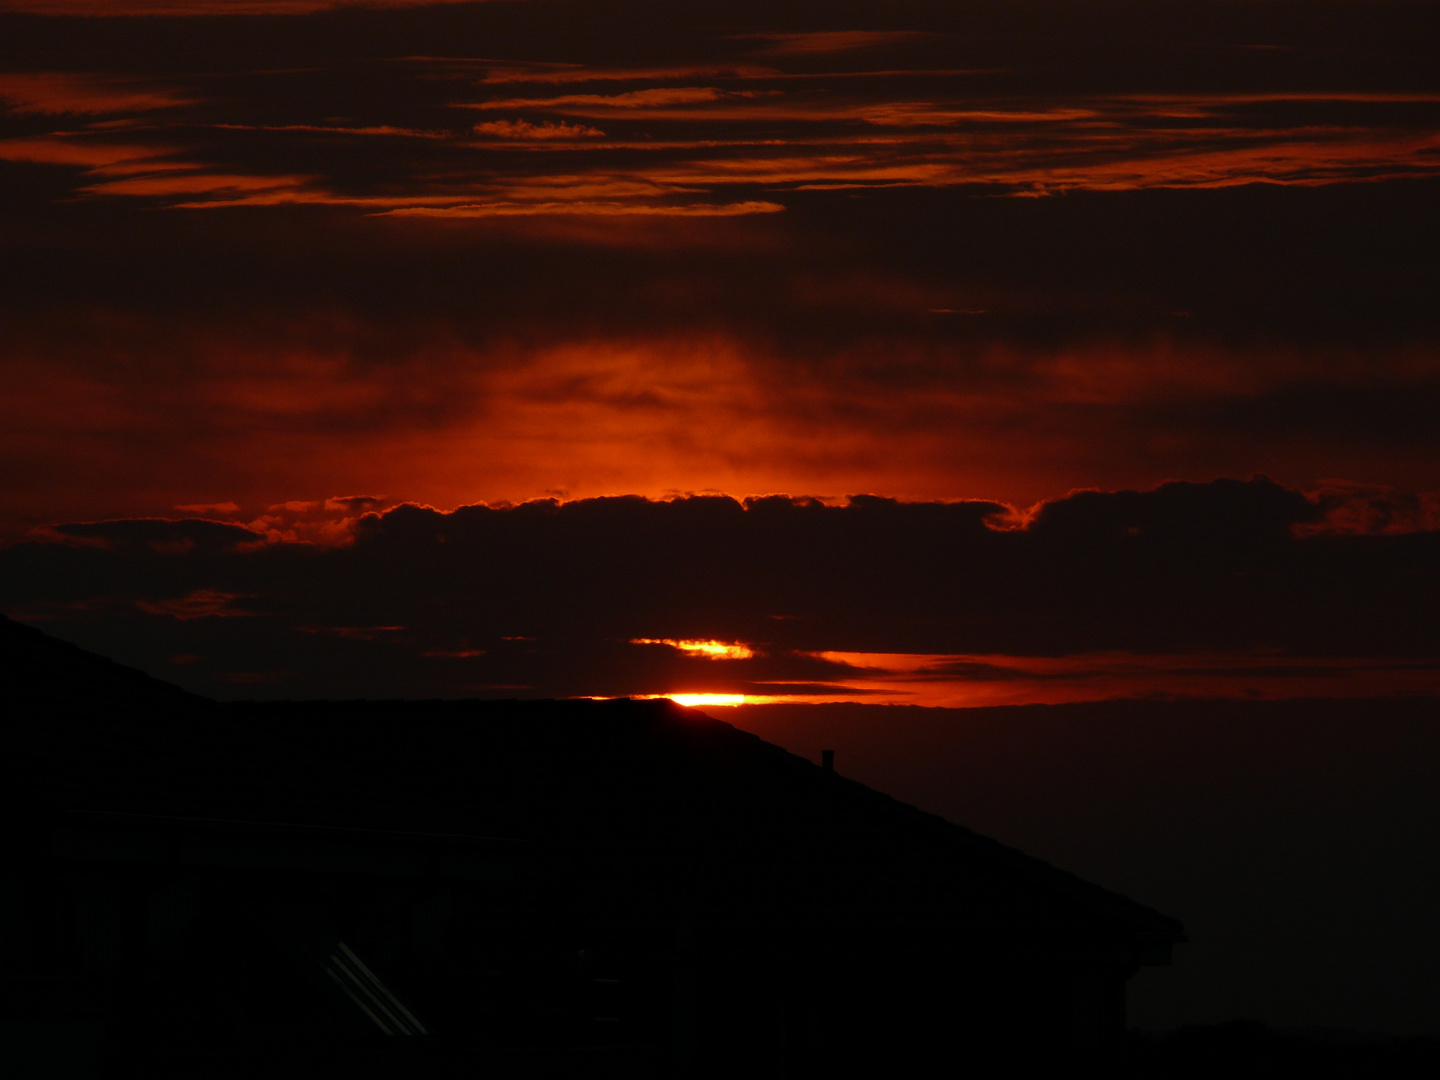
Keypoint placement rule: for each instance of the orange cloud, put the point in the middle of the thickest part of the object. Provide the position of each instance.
(829, 41)
(523, 129)
(768, 357)
(67, 92)
(1066, 607)
(1116, 143)
(110, 8)
(385, 130)
(581, 208)
(970, 681)
(200, 604)
(635, 99)
(869, 135)
(58, 150)
(132, 414)
(926, 114)
(560, 74)
(224, 186)
(708, 650)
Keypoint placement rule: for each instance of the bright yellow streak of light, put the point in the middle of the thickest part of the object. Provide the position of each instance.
(711, 650)
(696, 700)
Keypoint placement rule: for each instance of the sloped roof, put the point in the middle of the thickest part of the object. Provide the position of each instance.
(634, 806)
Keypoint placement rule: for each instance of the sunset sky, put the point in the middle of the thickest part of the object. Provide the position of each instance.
(936, 352)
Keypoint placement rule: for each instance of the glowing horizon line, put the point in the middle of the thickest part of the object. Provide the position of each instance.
(691, 701)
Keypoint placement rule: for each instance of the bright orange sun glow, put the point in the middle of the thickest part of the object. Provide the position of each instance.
(711, 650)
(696, 700)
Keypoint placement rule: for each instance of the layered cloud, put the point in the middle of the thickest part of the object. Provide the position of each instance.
(62, 93)
(199, 8)
(481, 252)
(947, 101)
(1220, 589)
(418, 374)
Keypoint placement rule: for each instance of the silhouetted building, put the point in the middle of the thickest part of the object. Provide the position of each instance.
(506, 889)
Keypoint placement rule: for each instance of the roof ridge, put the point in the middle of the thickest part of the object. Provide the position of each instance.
(1038, 870)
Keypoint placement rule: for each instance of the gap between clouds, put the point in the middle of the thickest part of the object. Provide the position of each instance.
(1226, 587)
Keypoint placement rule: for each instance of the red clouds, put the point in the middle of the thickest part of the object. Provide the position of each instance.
(951, 100)
(1188, 590)
(61, 93)
(121, 416)
(487, 252)
(513, 260)
(201, 8)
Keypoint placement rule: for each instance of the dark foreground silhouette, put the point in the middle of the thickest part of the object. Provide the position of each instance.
(513, 888)
(1296, 839)
(1247, 1048)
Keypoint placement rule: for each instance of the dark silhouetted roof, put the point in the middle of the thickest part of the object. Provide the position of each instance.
(634, 806)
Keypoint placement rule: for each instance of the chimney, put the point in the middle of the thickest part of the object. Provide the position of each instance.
(827, 760)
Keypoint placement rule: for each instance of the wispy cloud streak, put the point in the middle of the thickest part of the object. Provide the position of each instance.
(807, 119)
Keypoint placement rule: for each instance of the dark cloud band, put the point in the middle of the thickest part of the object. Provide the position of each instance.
(601, 596)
